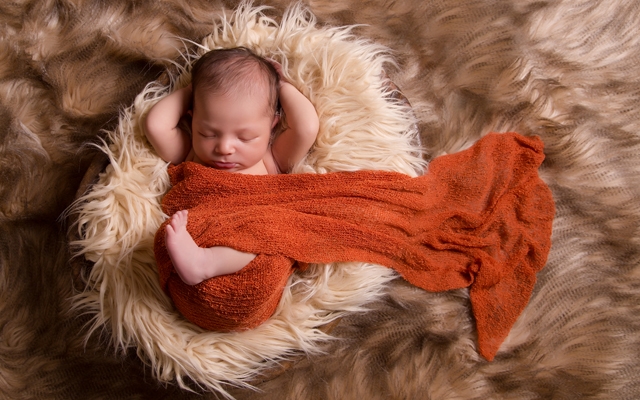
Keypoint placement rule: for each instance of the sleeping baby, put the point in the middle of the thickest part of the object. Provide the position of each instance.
(233, 104)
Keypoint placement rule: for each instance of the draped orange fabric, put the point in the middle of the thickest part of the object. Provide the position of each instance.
(480, 218)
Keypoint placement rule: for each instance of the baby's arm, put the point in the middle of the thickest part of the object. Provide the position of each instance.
(302, 128)
(161, 126)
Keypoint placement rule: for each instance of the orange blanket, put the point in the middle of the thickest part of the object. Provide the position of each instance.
(480, 218)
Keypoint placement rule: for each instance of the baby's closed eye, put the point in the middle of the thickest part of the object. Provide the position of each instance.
(206, 134)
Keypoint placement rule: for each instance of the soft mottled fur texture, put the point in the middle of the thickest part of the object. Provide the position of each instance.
(564, 70)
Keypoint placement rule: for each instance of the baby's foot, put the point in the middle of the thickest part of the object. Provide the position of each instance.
(188, 259)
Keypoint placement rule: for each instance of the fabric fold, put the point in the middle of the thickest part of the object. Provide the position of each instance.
(480, 218)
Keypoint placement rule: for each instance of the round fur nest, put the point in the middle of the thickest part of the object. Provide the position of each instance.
(363, 125)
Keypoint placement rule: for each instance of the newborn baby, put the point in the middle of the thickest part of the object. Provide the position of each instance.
(233, 104)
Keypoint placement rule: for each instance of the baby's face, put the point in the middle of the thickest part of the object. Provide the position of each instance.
(231, 131)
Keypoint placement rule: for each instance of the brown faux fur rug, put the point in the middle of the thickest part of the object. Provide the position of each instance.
(566, 71)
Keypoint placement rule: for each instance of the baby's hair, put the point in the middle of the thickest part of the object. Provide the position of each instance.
(223, 70)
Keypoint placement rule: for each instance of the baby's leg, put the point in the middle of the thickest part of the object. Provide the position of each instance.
(195, 264)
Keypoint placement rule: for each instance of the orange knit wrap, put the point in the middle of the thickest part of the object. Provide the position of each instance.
(480, 218)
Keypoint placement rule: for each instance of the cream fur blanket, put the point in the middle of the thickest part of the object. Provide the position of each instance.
(565, 70)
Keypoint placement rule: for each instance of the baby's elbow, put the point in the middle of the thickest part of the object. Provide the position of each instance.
(149, 128)
(151, 132)
(167, 145)
(311, 129)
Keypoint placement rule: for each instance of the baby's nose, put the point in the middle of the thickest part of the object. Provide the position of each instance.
(224, 146)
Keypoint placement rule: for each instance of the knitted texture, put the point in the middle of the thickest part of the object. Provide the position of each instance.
(480, 218)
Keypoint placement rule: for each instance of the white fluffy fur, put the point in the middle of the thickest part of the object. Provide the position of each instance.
(361, 128)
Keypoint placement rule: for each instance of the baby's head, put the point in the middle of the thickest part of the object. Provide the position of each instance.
(238, 69)
(235, 102)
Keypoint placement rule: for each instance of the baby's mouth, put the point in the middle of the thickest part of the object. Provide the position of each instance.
(223, 165)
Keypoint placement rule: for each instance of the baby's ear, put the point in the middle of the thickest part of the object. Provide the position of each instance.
(276, 119)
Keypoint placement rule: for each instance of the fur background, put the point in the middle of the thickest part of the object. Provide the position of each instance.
(564, 70)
